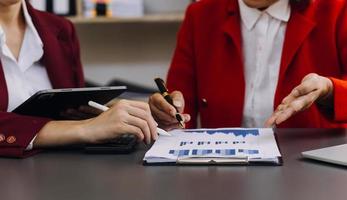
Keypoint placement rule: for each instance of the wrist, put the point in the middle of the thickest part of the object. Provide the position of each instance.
(83, 132)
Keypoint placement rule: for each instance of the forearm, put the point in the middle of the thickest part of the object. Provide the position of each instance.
(60, 133)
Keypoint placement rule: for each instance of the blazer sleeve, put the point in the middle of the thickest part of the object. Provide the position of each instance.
(182, 72)
(16, 132)
(340, 85)
(340, 100)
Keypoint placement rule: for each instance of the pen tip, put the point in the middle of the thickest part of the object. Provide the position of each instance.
(181, 124)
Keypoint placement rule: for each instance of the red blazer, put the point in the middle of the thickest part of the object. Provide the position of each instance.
(208, 68)
(62, 60)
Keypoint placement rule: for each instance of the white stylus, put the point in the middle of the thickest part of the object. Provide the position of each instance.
(105, 108)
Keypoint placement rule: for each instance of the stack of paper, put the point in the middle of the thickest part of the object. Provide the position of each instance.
(215, 146)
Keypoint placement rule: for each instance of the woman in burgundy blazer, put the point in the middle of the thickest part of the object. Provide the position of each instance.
(207, 67)
(62, 61)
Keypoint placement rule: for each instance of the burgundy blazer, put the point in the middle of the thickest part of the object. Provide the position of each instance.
(62, 61)
(208, 62)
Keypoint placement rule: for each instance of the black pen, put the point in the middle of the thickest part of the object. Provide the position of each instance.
(164, 91)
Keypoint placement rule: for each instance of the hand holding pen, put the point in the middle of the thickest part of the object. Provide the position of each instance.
(167, 108)
(124, 116)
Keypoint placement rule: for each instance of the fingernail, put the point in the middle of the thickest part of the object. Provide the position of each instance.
(177, 103)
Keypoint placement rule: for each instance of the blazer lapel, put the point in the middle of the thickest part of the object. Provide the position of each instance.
(232, 25)
(298, 29)
(52, 59)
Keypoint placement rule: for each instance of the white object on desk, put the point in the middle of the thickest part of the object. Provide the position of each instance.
(217, 146)
(105, 108)
(335, 154)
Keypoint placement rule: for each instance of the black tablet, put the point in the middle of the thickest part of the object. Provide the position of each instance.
(51, 103)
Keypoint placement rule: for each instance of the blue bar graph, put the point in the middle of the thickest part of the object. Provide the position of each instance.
(248, 151)
(235, 132)
(183, 143)
(179, 152)
(203, 152)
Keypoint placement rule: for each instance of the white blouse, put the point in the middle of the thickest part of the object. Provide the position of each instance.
(263, 34)
(25, 76)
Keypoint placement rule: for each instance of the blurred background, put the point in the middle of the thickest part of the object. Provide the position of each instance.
(125, 40)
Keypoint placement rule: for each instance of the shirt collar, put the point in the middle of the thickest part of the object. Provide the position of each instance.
(279, 10)
(30, 23)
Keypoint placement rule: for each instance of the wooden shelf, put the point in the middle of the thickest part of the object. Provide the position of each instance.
(153, 18)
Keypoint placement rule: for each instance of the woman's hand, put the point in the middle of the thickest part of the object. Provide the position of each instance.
(124, 117)
(313, 88)
(130, 117)
(164, 113)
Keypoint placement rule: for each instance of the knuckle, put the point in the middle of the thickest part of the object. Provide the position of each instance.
(143, 125)
(311, 75)
(156, 96)
(147, 107)
(295, 106)
(122, 102)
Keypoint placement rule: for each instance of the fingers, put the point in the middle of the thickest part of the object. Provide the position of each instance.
(300, 98)
(167, 121)
(165, 113)
(162, 117)
(140, 116)
(304, 88)
(134, 130)
(146, 116)
(284, 112)
(158, 101)
(141, 124)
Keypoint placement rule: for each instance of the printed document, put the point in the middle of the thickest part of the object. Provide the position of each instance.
(225, 144)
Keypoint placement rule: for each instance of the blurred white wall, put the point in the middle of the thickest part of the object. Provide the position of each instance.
(136, 52)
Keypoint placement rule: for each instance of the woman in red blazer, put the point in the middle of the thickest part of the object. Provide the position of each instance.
(61, 59)
(208, 66)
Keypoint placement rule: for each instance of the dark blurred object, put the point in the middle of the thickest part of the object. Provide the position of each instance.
(71, 10)
(101, 9)
(132, 87)
(91, 84)
(123, 144)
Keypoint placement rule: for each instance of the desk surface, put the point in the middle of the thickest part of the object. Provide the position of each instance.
(73, 175)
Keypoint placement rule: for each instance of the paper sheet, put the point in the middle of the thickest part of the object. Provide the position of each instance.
(217, 143)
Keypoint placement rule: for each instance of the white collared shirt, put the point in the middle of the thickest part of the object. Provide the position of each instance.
(263, 34)
(25, 76)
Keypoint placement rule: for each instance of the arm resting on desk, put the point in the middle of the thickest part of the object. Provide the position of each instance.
(17, 131)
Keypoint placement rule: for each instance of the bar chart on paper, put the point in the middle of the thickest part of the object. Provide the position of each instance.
(214, 143)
